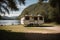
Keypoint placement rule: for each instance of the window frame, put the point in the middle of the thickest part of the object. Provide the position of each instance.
(45, 1)
(35, 18)
(27, 18)
(40, 18)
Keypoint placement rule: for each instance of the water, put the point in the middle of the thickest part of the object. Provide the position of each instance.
(9, 22)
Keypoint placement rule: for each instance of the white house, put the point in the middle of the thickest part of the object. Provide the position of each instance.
(32, 19)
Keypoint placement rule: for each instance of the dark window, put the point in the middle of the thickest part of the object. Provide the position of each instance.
(27, 18)
(40, 18)
(45, 0)
(35, 18)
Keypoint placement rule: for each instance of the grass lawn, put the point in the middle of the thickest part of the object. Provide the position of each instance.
(21, 28)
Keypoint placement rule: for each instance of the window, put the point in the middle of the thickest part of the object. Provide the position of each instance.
(45, 1)
(27, 18)
(35, 18)
(40, 18)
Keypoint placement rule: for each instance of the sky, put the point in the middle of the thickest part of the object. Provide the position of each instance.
(21, 8)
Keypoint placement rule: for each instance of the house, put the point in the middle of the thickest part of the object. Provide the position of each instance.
(32, 19)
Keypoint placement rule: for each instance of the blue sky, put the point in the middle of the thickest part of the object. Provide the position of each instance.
(22, 7)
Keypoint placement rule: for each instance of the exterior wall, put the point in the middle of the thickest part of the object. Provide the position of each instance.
(40, 21)
(32, 21)
(22, 20)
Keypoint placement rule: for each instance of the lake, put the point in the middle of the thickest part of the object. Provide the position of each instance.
(9, 22)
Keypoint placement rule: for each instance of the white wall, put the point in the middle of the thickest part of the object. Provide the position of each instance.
(22, 20)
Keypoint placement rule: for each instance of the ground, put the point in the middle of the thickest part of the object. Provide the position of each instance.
(21, 28)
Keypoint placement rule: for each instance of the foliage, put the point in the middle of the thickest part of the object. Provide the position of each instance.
(56, 4)
(43, 9)
(9, 5)
(51, 10)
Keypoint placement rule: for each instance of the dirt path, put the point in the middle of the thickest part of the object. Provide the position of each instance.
(57, 29)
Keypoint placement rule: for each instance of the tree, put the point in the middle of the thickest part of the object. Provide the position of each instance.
(56, 4)
(5, 5)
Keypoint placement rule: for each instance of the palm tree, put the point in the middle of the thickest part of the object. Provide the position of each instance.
(6, 5)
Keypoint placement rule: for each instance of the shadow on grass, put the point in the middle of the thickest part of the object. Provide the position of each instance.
(6, 35)
(36, 25)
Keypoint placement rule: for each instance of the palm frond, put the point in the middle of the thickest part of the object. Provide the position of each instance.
(2, 11)
(21, 2)
(5, 8)
(12, 5)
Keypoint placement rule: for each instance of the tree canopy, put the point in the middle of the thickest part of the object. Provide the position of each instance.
(9, 4)
(12, 4)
